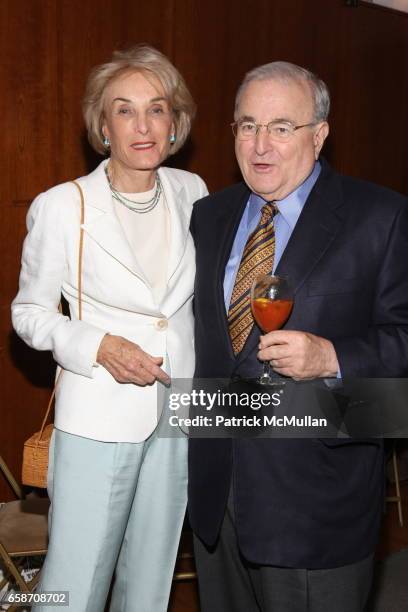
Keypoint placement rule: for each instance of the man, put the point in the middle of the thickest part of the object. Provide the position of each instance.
(290, 525)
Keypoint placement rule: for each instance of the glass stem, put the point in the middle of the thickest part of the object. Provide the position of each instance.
(265, 378)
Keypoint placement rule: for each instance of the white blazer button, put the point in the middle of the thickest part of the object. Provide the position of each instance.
(162, 324)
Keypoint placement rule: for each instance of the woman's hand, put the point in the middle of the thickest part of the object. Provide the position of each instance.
(128, 363)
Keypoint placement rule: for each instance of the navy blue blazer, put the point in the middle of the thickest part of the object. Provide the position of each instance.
(305, 503)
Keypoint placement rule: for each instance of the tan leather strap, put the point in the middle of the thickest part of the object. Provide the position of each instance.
(81, 248)
(80, 252)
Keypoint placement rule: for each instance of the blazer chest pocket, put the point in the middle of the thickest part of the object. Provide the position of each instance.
(335, 286)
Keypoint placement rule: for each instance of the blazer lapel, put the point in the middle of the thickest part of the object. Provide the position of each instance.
(314, 232)
(102, 224)
(318, 224)
(226, 224)
(180, 212)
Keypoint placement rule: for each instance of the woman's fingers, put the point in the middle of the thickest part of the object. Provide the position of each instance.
(128, 363)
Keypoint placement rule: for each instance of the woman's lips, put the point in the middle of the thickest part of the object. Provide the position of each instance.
(141, 146)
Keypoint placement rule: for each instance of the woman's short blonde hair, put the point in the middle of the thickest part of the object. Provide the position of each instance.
(149, 60)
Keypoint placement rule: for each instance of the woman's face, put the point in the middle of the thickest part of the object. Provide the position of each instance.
(138, 121)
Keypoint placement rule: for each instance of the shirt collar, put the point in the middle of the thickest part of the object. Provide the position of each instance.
(291, 206)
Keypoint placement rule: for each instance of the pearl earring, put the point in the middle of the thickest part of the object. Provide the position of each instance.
(172, 138)
(106, 142)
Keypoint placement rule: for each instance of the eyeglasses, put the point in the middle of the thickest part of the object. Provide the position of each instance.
(281, 131)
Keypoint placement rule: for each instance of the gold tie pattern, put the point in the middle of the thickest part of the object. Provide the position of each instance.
(257, 259)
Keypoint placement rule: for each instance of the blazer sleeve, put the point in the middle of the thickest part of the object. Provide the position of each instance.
(202, 188)
(35, 314)
(382, 350)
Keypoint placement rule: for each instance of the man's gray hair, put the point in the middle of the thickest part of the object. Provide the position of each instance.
(285, 71)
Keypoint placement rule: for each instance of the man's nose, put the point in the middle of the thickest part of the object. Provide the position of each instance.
(263, 142)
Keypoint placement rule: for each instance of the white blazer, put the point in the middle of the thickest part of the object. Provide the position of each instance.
(116, 297)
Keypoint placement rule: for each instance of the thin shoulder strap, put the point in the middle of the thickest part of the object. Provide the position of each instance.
(81, 248)
(80, 252)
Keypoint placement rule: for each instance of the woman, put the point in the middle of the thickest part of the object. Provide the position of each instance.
(118, 490)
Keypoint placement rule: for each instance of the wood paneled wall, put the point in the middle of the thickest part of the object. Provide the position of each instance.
(47, 48)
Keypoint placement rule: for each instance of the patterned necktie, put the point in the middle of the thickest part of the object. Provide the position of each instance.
(257, 259)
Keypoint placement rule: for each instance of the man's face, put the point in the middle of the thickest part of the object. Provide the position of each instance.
(274, 169)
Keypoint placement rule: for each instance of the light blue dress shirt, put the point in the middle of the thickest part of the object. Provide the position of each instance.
(284, 222)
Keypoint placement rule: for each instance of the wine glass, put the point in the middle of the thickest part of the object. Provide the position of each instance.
(271, 302)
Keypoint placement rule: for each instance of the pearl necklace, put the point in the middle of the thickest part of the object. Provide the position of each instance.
(138, 207)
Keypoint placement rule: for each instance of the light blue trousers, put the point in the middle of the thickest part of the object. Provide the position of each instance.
(114, 505)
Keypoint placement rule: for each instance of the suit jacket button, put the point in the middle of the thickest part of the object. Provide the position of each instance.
(162, 324)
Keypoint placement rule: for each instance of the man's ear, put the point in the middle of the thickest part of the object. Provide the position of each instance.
(320, 135)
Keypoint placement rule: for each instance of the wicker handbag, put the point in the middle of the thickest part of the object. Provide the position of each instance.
(35, 452)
